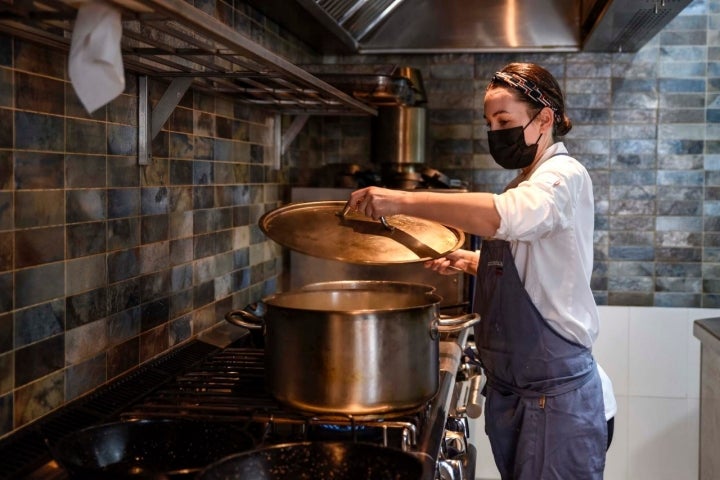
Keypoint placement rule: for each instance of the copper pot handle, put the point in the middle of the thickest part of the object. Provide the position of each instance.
(243, 318)
(455, 324)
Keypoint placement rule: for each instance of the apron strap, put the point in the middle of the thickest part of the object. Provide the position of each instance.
(560, 388)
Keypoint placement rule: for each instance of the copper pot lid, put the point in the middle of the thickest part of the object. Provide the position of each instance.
(319, 229)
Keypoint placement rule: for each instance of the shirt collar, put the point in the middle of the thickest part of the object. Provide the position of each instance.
(557, 148)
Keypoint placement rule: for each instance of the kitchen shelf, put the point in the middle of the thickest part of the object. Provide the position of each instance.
(171, 38)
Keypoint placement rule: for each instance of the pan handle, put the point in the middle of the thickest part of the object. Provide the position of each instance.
(346, 209)
(243, 318)
(456, 324)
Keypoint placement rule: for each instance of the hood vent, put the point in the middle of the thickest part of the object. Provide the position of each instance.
(442, 26)
(627, 26)
(357, 18)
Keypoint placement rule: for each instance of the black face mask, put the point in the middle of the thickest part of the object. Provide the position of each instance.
(508, 147)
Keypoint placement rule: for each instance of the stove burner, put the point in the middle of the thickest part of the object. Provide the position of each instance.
(312, 460)
(228, 386)
(150, 448)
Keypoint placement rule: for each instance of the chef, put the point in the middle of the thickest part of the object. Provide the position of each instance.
(549, 407)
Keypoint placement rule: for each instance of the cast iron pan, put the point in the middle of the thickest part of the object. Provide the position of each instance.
(148, 449)
(317, 460)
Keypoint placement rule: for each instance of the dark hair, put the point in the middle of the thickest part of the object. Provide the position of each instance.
(545, 83)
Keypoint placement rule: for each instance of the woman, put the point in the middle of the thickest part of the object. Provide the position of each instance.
(545, 413)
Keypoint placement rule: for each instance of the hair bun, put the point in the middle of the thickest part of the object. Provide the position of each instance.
(563, 127)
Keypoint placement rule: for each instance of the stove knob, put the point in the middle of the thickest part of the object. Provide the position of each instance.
(475, 399)
(450, 470)
(455, 444)
(445, 471)
(457, 424)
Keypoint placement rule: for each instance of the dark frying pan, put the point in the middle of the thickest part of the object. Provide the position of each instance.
(148, 449)
(315, 460)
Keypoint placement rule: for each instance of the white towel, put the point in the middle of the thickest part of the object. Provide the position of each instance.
(95, 64)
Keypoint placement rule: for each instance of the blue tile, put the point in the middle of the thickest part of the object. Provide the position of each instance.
(123, 202)
(679, 223)
(631, 253)
(39, 322)
(685, 147)
(124, 295)
(39, 170)
(85, 376)
(39, 132)
(85, 239)
(677, 300)
(682, 85)
(86, 205)
(84, 136)
(154, 200)
(675, 177)
(123, 265)
(85, 307)
(203, 173)
(123, 233)
(121, 140)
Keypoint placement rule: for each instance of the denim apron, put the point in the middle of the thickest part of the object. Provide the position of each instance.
(544, 404)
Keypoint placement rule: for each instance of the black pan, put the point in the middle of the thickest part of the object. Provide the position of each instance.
(148, 449)
(317, 460)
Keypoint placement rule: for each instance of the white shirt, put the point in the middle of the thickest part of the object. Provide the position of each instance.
(608, 394)
(549, 221)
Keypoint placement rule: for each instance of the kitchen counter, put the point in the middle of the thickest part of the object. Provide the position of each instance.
(708, 332)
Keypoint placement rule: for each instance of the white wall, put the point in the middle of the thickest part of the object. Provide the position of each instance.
(653, 359)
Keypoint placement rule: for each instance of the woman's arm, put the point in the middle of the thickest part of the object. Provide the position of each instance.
(470, 212)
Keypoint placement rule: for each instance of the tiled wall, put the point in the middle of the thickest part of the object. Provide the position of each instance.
(647, 127)
(105, 264)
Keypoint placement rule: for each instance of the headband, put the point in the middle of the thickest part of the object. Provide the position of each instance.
(529, 88)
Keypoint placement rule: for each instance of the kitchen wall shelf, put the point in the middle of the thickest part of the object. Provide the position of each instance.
(171, 38)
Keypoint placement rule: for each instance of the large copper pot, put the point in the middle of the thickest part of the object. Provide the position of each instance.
(361, 348)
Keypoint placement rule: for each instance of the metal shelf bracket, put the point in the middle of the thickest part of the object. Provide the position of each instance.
(151, 122)
(281, 141)
(293, 130)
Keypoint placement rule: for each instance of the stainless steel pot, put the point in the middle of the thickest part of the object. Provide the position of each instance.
(361, 348)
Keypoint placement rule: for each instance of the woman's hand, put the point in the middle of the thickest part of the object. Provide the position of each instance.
(455, 262)
(376, 202)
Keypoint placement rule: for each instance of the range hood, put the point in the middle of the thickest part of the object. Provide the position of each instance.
(442, 26)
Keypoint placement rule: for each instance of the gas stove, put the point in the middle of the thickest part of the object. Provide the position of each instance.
(227, 385)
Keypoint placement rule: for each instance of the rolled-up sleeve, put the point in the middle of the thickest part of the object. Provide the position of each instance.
(538, 207)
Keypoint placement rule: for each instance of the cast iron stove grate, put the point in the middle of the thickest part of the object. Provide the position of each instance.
(26, 450)
(230, 386)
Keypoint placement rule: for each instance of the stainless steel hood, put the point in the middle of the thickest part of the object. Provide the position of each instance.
(440, 26)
